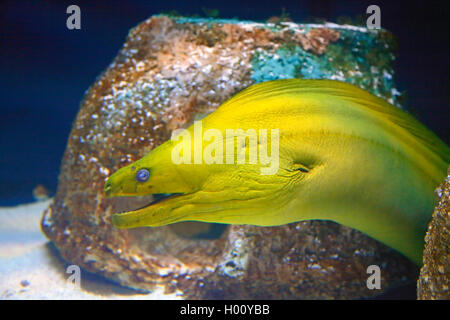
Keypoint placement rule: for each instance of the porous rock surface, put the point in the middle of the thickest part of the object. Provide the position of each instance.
(434, 280)
(169, 72)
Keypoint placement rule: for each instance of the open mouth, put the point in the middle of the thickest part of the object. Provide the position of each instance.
(124, 205)
(125, 210)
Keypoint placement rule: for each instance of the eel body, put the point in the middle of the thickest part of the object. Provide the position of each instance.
(342, 155)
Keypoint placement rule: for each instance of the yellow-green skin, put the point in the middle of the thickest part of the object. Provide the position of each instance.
(370, 166)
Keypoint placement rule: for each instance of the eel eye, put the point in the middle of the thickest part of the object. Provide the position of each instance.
(142, 175)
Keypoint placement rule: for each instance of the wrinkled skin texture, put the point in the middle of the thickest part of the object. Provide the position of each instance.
(344, 155)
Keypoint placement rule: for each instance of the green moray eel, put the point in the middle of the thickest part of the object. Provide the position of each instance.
(343, 155)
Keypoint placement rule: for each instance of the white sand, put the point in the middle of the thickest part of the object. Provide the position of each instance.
(30, 267)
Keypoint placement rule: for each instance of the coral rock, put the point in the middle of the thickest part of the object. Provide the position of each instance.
(434, 280)
(169, 72)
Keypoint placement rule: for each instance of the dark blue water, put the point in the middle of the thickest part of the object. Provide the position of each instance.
(46, 68)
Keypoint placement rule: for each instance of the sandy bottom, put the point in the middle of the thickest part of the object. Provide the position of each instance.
(30, 267)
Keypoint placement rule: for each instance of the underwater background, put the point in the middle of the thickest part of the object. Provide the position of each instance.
(45, 68)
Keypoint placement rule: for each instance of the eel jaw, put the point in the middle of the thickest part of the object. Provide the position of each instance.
(156, 198)
(143, 215)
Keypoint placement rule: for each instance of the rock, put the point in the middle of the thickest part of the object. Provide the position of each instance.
(40, 193)
(169, 72)
(434, 280)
